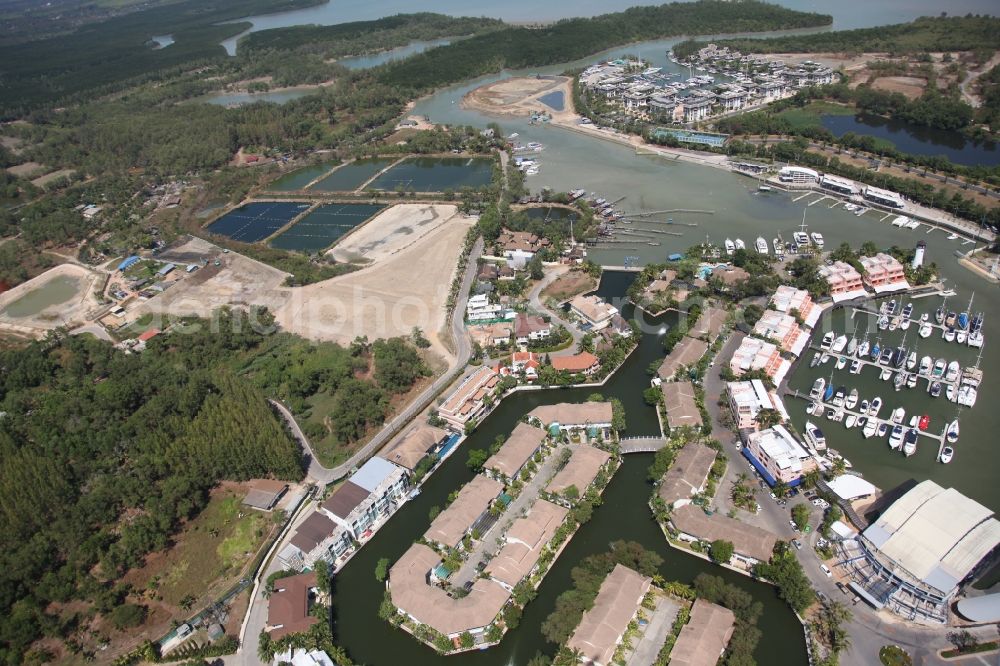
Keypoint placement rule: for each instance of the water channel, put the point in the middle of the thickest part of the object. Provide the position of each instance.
(623, 515)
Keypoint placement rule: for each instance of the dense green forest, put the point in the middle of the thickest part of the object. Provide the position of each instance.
(571, 39)
(104, 455)
(927, 34)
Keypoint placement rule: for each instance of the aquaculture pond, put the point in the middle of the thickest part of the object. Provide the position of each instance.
(554, 100)
(435, 174)
(256, 221)
(298, 179)
(352, 175)
(55, 291)
(624, 514)
(321, 227)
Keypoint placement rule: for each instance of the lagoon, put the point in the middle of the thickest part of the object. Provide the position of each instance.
(243, 98)
(376, 59)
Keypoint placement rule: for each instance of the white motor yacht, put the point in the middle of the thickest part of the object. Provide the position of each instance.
(761, 245)
(898, 415)
(925, 365)
(896, 438)
(910, 442)
(827, 340)
(817, 239)
(740, 245)
(886, 374)
(850, 421)
(925, 330)
(852, 399)
(839, 344)
(863, 348)
(952, 432)
(876, 406)
(947, 453)
(856, 367)
(814, 436)
(911, 361)
(730, 246)
(841, 362)
(817, 389)
(883, 428)
(871, 426)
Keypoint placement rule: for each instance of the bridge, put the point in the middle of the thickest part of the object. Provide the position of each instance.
(641, 444)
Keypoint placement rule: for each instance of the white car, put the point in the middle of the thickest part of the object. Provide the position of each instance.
(826, 570)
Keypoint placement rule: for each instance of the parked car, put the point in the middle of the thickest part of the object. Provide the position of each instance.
(826, 570)
(841, 587)
(792, 524)
(797, 544)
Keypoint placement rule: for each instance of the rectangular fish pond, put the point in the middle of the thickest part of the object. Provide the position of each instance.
(353, 175)
(323, 226)
(298, 179)
(257, 220)
(435, 174)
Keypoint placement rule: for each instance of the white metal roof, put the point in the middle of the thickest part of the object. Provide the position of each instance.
(848, 487)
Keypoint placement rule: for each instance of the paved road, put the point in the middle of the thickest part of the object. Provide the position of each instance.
(655, 633)
(96, 330)
(488, 543)
(534, 297)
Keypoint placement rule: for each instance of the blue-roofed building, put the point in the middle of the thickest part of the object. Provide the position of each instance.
(371, 495)
(675, 257)
(128, 262)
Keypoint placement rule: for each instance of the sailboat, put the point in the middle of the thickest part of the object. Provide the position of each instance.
(951, 434)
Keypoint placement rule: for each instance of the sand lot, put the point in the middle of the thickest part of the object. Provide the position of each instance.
(404, 288)
(238, 282)
(519, 96)
(392, 231)
(61, 296)
(910, 86)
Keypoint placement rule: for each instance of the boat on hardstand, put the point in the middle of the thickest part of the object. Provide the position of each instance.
(952, 433)
(896, 438)
(910, 442)
(947, 453)
(815, 437)
(761, 245)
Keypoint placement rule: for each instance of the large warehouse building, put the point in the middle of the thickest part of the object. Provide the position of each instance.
(916, 556)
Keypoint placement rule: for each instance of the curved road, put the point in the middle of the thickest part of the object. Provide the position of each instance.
(325, 475)
(534, 297)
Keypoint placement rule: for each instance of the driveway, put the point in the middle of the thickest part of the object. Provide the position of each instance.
(534, 297)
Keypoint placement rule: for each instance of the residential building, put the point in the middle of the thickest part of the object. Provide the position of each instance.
(519, 247)
(316, 539)
(525, 363)
(921, 551)
(592, 311)
(750, 544)
(693, 109)
(479, 308)
(415, 444)
(469, 399)
(679, 403)
(782, 329)
(756, 354)
(524, 542)
(530, 328)
(884, 273)
(839, 185)
(491, 335)
(582, 363)
(746, 399)
(685, 353)
(844, 280)
(265, 493)
(710, 324)
(581, 470)
(687, 476)
(602, 627)
(733, 99)
(883, 197)
(523, 443)
(369, 496)
(731, 275)
(288, 606)
(778, 456)
(790, 300)
(414, 594)
(704, 638)
(569, 416)
(798, 175)
(470, 506)
(303, 657)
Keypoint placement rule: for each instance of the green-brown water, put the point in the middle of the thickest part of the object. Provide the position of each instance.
(54, 292)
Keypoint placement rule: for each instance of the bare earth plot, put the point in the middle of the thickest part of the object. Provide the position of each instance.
(519, 96)
(910, 86)
(392, 231)
(407, 286)
(61, 296)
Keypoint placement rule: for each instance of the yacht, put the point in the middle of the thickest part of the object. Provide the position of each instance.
(863, 407)
(924, 317)
(852, 399)
(900, 380)
(911, 361)
(883, 322)
(961, 337)
(939, 315)
(876, 350)
(934, 389)
(814, 436)
(740, 245)
(852, 346)
(841, 362)
(886, 357)
(855, 367)
(818, 386)
(824, 358)
(886, 374)
(828, 393)
(898, 415)
(779, 247)
(730, 246)
(947, 453)
(925, 330)
(838, 397)
(949, 319)
(924, 422)
(817, 239)
(863, 348)
(976, 339)
(899, 357)
(893, 323)
(953, 369)
(911, 380)
(949, 334)
(896, 438)
(827, 340)
(925, 365)
(904, 323)
(839, 344)
(952, 433)
(910, 442)
(850, 421)
(939, 366)
(800, 238)
(871, 426)
(908, 311)
(838, 415)
(883, 428)
(951, 393)
(815, 360)
(875, 407)
(761, 245)
(890, 308)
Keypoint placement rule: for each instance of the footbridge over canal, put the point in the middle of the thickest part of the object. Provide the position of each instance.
(641, 444)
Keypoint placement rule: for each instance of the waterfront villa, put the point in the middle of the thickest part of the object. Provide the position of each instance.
(581, 470)
(524, 542)
(756, 354)
(788, 299)
(687, 475)
(582, 363)
(844, 280)
(461, 516)
(782, 329)
(710, 324)
(414, 594)
(491, 335)
(685, 353)
(746, 399)
(368, 497)
(523, 443)
(751, 544)
(592, 311)
(415, 444)
(602, 627)
(519, 247)
(594, 417)
(778, 456)
(679, 404)
(288, 606)
(705, 637)
(530, 328)
(479, 308)
(468, 400)
(316, 538)
(884, 273)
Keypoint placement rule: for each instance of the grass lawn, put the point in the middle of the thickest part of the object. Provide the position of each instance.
(809, 115)
(213, 549)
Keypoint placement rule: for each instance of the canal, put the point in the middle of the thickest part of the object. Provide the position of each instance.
(623, 515)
